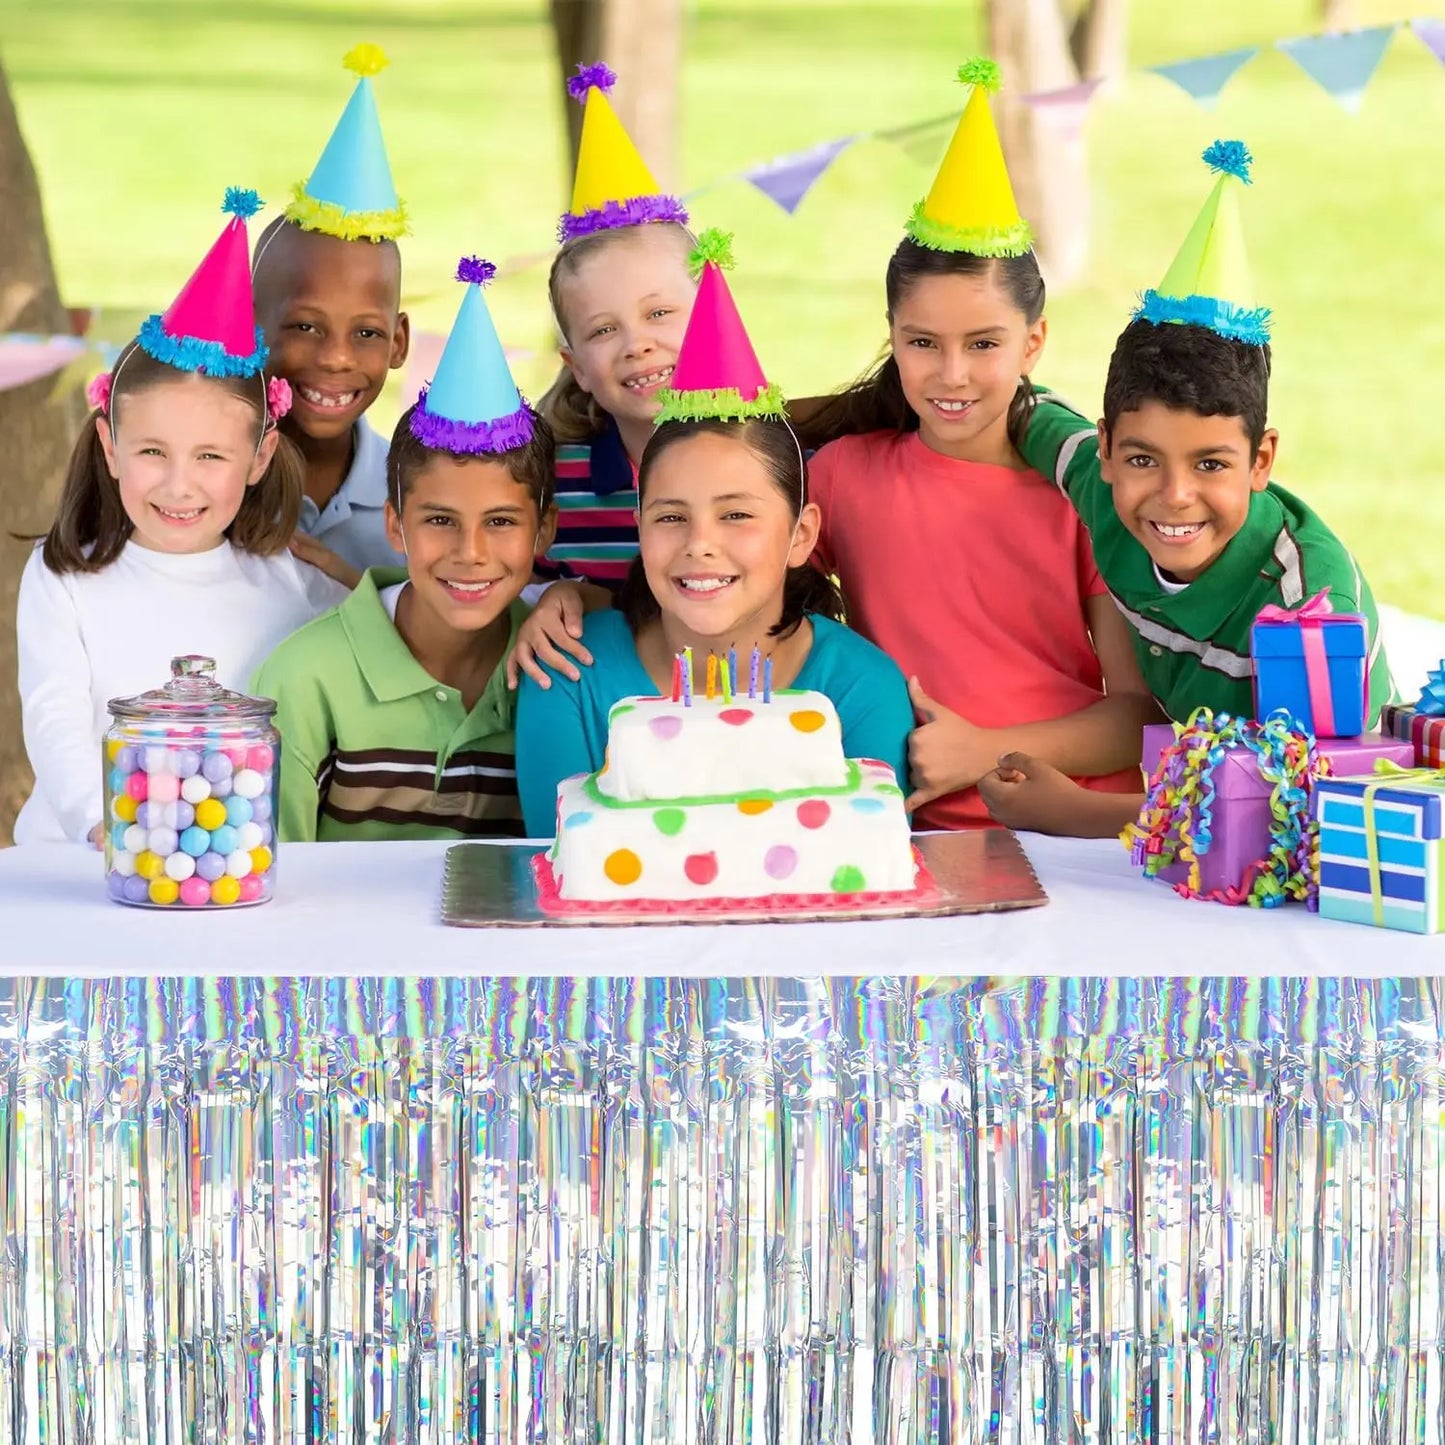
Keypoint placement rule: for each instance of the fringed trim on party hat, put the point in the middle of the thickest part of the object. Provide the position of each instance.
(596, 76)
(1015, 240)
(635, 212)
(333, 220)
(190, 353)
(1249, 324)
(474, 271)
(241, 203)
(472, 438)
(714, 248)
(981, 71)
(1229, 158)
(723, 404)
(365, 60)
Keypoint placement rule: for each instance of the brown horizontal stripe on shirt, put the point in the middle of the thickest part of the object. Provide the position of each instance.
(465, 827)
(423, 780)
(470, 812)
(473, 757)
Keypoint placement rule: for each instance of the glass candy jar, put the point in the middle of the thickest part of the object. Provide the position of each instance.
(191, 774)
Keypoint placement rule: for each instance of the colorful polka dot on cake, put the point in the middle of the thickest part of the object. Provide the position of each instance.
(669, 821)
(700, 868)
(666, 727)
(623, 867)
(780, 861)
(867, 805)
(736, 716)
(814, 813)
(849, 879)
(806, 720)
(754, 807)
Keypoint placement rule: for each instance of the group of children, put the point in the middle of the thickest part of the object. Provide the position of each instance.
(996, 593)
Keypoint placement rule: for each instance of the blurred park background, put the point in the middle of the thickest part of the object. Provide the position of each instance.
(136, 114)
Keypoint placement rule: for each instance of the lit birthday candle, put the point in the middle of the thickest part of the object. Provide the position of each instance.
(768, 680)
(687, 677)
(733, 665)
(753, 675)
(727, 679)
(711, 676)
(677, 678)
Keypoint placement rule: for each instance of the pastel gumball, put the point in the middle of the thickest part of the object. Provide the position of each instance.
(261, 808)
(210, 866)
(135, 839)
(118, 836)
(163, 788)
(225, 840)
(127, 758)
(195, 841)
(260, 759)
(210, 814)
(221, 788)
(125, 809)
(261, 860)
(150, 865)
(225, 890)
(248, 784)
(149, 814)
(136, 786)
(215, 766)
(116, 783)
(252, 888)
(186, 762)
(116, 884)
(196, 790)
(268, 833)
(164, 890)
(237, 758)
(195, 892)
(238, 810)
(124, 864)
(156, 760)
(163, 841)
(249, 836)
(137, 889)
(238, 864)
(180, 866)
(179, 815)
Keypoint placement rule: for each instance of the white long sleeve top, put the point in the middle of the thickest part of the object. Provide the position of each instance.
(86, 637)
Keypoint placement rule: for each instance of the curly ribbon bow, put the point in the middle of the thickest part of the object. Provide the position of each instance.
(1388, 775)
(1311, 616)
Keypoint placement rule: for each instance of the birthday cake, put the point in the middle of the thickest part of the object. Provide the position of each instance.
(735, 799)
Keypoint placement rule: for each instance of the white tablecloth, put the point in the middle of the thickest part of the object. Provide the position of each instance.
(374, 909)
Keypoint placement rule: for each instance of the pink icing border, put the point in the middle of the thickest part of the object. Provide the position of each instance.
(550, 901)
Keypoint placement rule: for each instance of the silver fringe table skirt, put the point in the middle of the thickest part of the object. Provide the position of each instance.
(731, 1211)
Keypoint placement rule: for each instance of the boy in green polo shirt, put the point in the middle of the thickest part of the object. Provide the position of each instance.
(1189, 533)
(394, 712)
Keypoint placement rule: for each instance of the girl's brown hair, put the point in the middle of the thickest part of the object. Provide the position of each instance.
(875, 402)
(91, 527)
(774, 444)
(572, 413)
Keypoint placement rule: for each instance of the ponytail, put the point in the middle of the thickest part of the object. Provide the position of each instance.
(91, 528)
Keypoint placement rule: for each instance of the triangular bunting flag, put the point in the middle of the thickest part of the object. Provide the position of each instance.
(1204, 77)
(924, 140)
(1432, 32)
(789, 178)
(1065, 109)
(1342, 64)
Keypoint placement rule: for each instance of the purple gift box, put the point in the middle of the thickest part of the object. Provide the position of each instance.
(1242, 819)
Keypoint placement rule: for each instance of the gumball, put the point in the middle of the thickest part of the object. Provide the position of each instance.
(238, 810)
(149, 814)
(261, 859)
(186, 762)
(134, 840)
(164, 890)
(260, 759)
(248, 836)
(179, 815)
(116, 782)
(163, 787)
(248, 784)
(126, 758)
(251, 888)
(195, 892)
(125, 809)
(136, 786)
(215, 766)
(210, 814)
(210, 866)
(237, 758)
(195, 841)
(150, 865)
(196, 790)
(261, 808)
(156, 760)
(267, 833)
(225, 840)
(238, 864)
(118, 835)
(116, 883)
(180, 866)
(221, 788)
(162, 841)
(137, 889)
(225, 890)
(124, 864)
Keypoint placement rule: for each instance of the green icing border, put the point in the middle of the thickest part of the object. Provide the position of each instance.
(853, 785)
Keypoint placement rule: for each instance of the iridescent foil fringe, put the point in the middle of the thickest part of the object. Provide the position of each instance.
(717, 1211)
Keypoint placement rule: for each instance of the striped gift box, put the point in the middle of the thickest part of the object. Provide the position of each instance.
(1380, 849)
(1425, 734)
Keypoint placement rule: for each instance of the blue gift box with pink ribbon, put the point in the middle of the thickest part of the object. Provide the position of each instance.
(1314, 663)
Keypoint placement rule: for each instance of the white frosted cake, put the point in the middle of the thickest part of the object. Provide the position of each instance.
(740, 799)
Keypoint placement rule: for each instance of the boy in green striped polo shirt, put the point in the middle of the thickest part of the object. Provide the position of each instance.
(1190, 534)
(395, 716)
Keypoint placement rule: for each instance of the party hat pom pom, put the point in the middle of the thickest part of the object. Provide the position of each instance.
(590, 77)
(713, 246)
(980, 71)
(365, 59)
(475, 271)
(1229, 158)
(241, 203)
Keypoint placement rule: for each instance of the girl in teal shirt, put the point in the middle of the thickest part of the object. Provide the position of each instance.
(725, 533)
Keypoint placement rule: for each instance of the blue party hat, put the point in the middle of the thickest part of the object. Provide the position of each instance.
(350, 194)
(472, 406)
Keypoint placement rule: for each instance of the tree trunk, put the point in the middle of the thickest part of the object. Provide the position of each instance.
(35, 434)
(642, 41)
(1030, 41)
(1099, 40)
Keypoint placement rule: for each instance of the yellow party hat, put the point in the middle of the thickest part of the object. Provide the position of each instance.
(613, 186)
(1209, 282)
(971, 206)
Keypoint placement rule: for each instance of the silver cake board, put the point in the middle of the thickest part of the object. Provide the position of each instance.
(487, 885)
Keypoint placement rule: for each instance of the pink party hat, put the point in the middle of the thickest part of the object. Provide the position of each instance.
(717, 373)
(211, 326)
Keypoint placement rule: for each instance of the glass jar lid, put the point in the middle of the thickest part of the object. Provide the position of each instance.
(192, 695)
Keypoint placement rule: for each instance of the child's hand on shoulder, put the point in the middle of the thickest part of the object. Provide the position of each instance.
(553, 629)
(946, 752)
(306, 548)
(1031, 795)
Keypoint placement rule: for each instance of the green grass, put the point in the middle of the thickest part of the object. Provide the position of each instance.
(139, 113)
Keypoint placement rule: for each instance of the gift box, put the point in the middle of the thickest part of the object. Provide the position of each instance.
(1380, 849)
(1425, 734)
(1313, 664)
(1242, 820)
